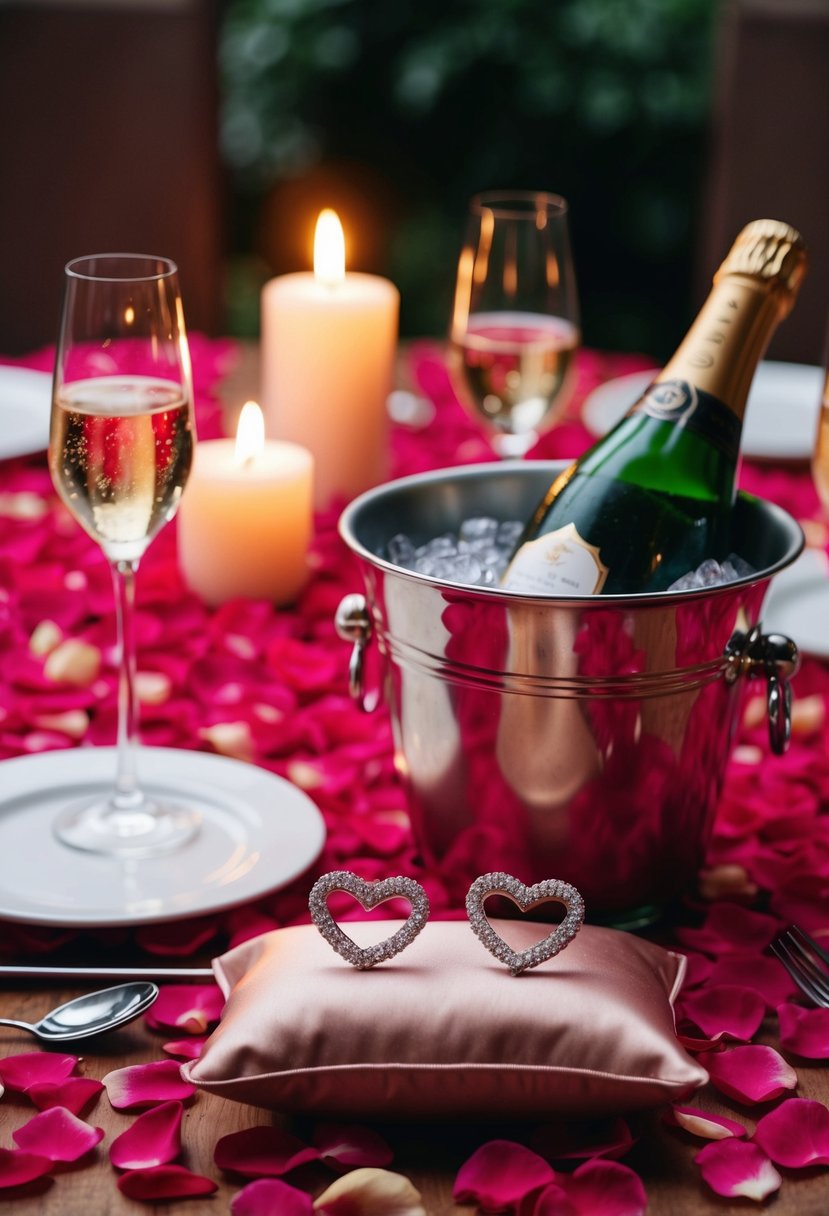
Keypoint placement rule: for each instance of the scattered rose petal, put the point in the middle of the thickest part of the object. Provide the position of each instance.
(18, 1167)
(30, 1068)
(262, 1152)
(499, 1173)
(765, 975)
(725, 1009)
(192, 1008)
(596, 1188)
(703, 1123)
(349, 1145)
(57, 1134)
(153, 1139)
(571, 1139)
(795, 1133)
(269, 1196)
(755, 1073)
(75, 1093)
(186, 1049)
(230, 739)
(804, 1031)
(145, 1084)
(164, 1182)
(73, 662)
(370, 1192)
(736, 1169)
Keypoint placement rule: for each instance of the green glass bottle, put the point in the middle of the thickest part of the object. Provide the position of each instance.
(652, 499)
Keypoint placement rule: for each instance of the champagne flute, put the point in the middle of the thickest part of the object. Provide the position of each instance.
(515, 323)
(120, 449)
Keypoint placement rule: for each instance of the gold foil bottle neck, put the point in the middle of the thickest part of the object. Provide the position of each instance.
(770, 251)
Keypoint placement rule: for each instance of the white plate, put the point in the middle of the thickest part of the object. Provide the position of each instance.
(25, 404)
(797, 603)
(781, 413)
(258, 832)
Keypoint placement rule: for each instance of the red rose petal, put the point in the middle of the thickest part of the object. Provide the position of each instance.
(186, 1049)
(725, 1009)
(750, 1074)
(153, 1139)
(146, 1084)
(765, 975)
(75, 1093)
(499, 1173)
(804, 1031)
(17, 1167)
(164, 1182)
(269, 1196)
(600, 1188)
(192, 1008)
(734, 1168)
(703, 1123)
(30, 1068)
(262, 1152)
(569, 1140)
(57, 1134)
(349, 1145)
(795, 1133)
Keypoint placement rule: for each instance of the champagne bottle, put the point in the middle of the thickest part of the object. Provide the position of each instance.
(652, 499)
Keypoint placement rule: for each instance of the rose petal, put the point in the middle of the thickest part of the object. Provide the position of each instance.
(17, 1168)
(262, 1152)
(499, 1173)
(727, 1009)
(703, 1123)
(75, 1094)
(568, 1139)
(765, 975)
(153, 1139)
(146, 1084)
(164, 1182)
(189, 1007)
(349, 1145)
(57, 1134)
(795, 1133)
(186, 1049)
(804, 1031)
(268, 1196)
(750, 1074)
(734, 1168)
(552, 1200)
(30, 1068)
(598, 1188)
(370, 1192)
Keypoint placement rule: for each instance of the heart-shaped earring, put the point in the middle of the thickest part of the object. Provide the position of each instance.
(369, 894)
(525, 898)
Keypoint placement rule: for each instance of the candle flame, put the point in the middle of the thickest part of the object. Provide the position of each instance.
(329, 249)
(250, 433)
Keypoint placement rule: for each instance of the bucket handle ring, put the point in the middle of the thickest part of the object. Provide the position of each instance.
(756, 654)
(353, 624)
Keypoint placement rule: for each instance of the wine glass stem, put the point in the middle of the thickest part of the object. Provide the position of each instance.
(127, 794)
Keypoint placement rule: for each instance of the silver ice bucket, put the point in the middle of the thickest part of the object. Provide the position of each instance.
(580, 738)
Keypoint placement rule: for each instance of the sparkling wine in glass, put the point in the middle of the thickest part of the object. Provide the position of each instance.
(515, 322)
(120, 449)
(820, 455)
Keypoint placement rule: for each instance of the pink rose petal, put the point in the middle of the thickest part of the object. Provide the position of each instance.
(755, 1073)
(262, 1152)
(724, 1009)
(153, 1139)
(570, 1139)
(269, 1196)
(17, 1167)
(735, 1168)
(164, 1182)
(57, 1134)
(804, 1031)
(146, 1084)
(499, 1173)
(186, 1049)
(192, 1008)
(596, 1188)
(703, 1123)
(30, 1068)
(75, 1093)
(370, 1192)
(349, 1145)
(765, 975)
(795, 1133)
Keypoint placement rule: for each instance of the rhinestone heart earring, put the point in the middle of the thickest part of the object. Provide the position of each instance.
(369, 894)
(525, 898)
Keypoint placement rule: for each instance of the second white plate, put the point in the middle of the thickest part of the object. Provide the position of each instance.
(781, 414)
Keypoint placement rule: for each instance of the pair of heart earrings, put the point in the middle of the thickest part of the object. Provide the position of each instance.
(370, 894)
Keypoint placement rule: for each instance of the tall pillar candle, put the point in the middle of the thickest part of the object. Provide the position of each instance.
(328, 348)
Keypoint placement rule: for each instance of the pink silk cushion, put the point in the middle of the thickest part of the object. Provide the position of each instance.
(443, 1029)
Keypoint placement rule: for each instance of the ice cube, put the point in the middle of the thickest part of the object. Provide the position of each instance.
(400, 550)
(477, 529)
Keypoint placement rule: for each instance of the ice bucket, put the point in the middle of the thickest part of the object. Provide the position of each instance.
(581, 738)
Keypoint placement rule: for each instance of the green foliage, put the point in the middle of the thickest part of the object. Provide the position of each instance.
(604, 101)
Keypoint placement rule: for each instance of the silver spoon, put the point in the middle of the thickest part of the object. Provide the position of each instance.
(92, 1013)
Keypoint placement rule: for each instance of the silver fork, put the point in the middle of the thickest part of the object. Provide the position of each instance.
(806, 962)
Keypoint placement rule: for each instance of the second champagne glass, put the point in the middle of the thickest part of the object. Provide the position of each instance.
(515, 322)
(120, 450)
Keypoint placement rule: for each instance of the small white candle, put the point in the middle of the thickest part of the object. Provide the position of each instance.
(328, 348)
(245, 518)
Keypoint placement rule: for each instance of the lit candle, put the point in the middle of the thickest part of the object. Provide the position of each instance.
(328, 348)
(245, 517)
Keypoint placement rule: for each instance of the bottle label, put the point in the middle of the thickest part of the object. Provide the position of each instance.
(559, 563)
(684, 404)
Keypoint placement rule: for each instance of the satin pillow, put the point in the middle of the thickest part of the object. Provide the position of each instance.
(444, 1030)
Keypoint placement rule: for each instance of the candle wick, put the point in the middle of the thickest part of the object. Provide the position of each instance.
(248, 462)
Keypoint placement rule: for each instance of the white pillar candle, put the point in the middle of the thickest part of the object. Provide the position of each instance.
(328, 348)
(245, 517)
